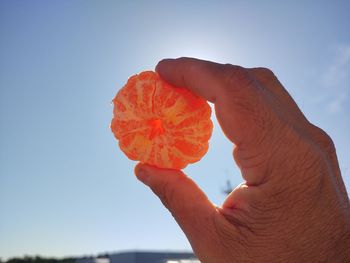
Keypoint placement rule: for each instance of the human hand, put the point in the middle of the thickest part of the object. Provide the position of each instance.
(293, 205)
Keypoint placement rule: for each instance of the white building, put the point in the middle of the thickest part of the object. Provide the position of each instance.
(93, 260)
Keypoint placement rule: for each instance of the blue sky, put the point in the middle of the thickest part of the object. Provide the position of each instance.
(65, 187)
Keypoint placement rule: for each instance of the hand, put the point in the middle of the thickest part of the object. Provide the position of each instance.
(292, 207)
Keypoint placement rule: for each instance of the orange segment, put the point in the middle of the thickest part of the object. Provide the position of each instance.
(161, 125)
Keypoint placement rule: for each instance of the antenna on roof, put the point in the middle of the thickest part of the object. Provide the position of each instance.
(228, 188)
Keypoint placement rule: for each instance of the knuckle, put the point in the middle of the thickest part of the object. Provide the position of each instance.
(265, 75)
(302, 150)
(265, 71)
(324, 141)
(234, 75)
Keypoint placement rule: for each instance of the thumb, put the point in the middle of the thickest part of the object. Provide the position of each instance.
(184, 199)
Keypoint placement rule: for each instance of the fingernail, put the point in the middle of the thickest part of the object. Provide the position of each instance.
(142, 175)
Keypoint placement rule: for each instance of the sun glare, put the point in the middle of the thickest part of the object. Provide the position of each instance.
(200, 46)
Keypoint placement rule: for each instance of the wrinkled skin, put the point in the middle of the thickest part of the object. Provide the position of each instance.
(292, 207)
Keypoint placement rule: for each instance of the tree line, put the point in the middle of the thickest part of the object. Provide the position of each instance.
(38, 259)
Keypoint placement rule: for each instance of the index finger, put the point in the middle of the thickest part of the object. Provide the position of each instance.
(235, 93)
(204, 78)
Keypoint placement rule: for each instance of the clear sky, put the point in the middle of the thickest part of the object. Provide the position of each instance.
(65, 187)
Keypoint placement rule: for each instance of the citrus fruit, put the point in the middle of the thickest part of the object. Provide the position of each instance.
(160, 125)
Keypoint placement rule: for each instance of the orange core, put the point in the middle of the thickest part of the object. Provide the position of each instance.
(157, 128)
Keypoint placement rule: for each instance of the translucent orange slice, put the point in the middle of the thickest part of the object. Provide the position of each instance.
(160, 125)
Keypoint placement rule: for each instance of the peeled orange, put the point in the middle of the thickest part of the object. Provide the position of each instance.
(160, 125)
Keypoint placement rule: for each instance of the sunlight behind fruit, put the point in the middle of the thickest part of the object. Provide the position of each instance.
(161, 125)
